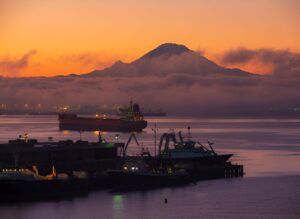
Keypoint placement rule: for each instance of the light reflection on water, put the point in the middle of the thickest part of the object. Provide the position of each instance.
(268, 148)
(118, 205)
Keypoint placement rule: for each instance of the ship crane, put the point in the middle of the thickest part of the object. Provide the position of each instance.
(167, 137)
(132, 136)
(210, 145)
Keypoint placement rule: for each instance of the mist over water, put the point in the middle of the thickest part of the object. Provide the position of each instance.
(269, 149)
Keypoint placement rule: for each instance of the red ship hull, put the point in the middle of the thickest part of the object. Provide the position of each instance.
(74, 123)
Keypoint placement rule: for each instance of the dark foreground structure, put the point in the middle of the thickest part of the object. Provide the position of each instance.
(78, 167)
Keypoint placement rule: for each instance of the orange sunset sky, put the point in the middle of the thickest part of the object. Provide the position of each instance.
(51, 37)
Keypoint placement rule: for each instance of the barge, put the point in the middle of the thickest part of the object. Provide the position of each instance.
(27, 185)
(65, 155)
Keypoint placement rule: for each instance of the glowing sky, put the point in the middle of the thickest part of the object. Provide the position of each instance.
(50, 37)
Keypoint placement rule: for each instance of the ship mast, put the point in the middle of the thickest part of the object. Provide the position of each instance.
(155, 129)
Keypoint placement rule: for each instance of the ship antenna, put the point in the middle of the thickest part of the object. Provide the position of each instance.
(80, 135)
(131, 102)
(155, 129)
(99, 137)
(189, 133)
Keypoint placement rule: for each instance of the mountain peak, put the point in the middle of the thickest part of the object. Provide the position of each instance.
(167, 49)
(158, 62)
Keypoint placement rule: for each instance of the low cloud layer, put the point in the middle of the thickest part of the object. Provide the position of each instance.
(177, 94)
(281, 61)
(12, 67)
(33, 64)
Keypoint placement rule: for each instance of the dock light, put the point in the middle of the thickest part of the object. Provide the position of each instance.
(97, 115)
(134, 168)
(117, 136)
(65, 108)
(125, 168)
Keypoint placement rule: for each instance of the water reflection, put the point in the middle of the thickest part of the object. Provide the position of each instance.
(117, 206)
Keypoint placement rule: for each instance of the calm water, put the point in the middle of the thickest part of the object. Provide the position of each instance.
(268, 148)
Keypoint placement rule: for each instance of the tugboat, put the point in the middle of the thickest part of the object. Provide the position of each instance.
(144, 172)
(131, 121)
(140, 175)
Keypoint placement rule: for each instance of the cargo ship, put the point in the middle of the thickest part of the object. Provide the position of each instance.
(131, 120)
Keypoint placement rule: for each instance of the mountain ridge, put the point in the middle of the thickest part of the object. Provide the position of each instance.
(166, 59)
